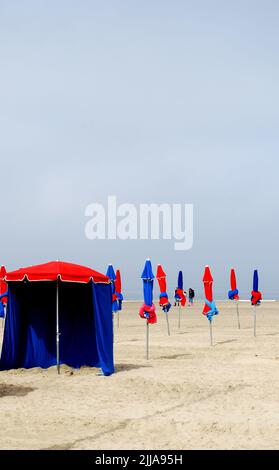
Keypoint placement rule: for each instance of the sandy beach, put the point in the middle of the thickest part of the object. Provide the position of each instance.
(187, 396)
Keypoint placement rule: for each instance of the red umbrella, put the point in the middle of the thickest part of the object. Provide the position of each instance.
(233, 293)
(118, 294)
(3, 284)
(163, 300)
(208, 285)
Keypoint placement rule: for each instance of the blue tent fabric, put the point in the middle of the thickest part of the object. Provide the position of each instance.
(180, 280)
(85, 324)
(256, 281)
(148, 280)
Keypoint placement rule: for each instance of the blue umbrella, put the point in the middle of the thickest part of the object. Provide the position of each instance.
(148, 280)
(147, 310)
(111, 274)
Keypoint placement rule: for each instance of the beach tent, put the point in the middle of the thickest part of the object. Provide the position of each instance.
(58, 313)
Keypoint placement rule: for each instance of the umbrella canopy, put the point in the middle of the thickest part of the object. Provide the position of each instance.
(179, 292)
(180, 280)
(256, 295)
(233, 293)
(163, 299)
(66, 272)
(118, 289)
(3, 285)
(111, 275)
(147, 310)
(256, 281)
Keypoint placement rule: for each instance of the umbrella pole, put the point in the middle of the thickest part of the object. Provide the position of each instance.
(210, 331)
(179, 315)
(237, 311)
(57, 328)
(147, 340)
(168, 326)
(255, 320)
(117, 318)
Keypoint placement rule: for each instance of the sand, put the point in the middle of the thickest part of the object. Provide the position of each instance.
(187, 396)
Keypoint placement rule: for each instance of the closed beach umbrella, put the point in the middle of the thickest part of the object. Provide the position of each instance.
(112, 276)
(233, 293)
(3, 293)
(210, 308)
(180, 295)
(147, 310)
(163, 299)
(256, 297)
(3, 285)
(118, 293)
(118, 289)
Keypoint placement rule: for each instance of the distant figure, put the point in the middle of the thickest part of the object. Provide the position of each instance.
(176, 298)
(191, 296)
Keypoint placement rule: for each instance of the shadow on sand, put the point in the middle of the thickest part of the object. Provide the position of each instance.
(127, 367)
(8, 390)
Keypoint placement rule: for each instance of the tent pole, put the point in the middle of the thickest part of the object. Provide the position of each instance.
(237, 311)
(57, 328)
(168, 326)
(255, 320)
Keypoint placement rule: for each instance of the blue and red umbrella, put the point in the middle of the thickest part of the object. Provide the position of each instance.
(147, 310)
(162, 281)
(233, 294)
(179, 292)
(256, 296)
(3, 292)
(118, 289)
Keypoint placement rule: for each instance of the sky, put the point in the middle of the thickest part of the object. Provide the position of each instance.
(153, 102)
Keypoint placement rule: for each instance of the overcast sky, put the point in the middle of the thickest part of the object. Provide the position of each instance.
(152, 101)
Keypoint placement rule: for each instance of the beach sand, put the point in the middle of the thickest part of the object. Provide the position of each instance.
(187, 396)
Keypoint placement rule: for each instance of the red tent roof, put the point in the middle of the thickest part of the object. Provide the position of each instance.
(54, 270)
